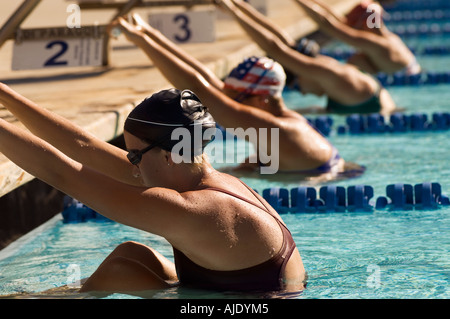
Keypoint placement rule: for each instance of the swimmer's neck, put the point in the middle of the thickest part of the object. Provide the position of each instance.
(198, 177)
(276, 107)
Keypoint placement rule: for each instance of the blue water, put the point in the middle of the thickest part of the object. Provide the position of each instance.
(381, 254)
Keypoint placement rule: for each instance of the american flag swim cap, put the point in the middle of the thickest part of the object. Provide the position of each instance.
(257, 76)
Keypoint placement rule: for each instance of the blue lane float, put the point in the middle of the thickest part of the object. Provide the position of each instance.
(425, 78)
(303, 199)
(421, 30)
(76, 212)
(345, 54)
(376, 124)
(397, 123)
(323, 124)
(358, 198)
(416, 15)
(401, 5)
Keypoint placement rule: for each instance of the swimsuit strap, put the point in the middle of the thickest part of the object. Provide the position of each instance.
(254, 194)
(263, 207)
(237, 196)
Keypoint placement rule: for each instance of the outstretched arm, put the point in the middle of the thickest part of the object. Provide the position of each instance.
(171, 47)
(334, 26)
(153, 210)
(183, 76)
(68, 137)
(328, 10)
(274, 46)
(258, 18)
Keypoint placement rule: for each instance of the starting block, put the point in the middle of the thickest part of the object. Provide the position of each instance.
(59, 47)
(79, 46)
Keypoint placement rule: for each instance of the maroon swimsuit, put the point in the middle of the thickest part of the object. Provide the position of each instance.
(267, 276)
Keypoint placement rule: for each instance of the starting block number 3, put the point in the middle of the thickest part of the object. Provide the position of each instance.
(189, 26)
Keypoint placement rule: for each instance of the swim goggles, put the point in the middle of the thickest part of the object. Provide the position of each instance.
(135, 156)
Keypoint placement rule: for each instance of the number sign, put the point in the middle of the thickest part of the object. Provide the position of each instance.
(260, 5)
(187, 26)
(37, 50)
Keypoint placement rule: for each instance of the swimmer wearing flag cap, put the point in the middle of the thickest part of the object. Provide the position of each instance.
(249, 97)
(347, 89)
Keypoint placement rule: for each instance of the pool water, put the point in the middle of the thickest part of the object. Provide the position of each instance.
(379, 254)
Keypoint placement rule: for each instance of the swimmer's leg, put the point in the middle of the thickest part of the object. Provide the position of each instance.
(131, 267)
(122, 275)
(147, 256)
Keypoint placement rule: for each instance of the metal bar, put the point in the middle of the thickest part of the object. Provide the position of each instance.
(127, 8)
(114, 5)
(14, 21)
(91, 31)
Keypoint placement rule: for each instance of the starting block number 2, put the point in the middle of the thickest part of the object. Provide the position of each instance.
(38, 51)
(74, 52)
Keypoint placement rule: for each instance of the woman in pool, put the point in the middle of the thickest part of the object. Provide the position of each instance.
(250, 97)
(224, 235)
(380, 50)
(348, 89)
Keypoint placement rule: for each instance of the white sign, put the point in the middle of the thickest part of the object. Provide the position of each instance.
(259, 5)
(189, 26)
(58, 47)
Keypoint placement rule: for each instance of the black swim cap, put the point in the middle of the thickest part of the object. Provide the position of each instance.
(155, 118)
(308, 47)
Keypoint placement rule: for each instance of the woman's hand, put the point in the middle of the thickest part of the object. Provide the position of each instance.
(142, 25)
(132, 32)
(225, 5)
(3, 91)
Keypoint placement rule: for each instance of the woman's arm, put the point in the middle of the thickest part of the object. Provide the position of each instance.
(68, 137)
(152, 210)
(171, 47)
(226, 111)
(333, 26)
(335, 79)
(258, 18)
(328, 10)
(296, 62)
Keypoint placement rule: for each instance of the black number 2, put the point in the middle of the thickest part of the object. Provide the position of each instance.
(184, 26)
(53, 60)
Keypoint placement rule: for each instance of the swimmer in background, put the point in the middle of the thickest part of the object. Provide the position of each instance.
(224, 235)
(348, 90)
(379, 50)
(250, 97)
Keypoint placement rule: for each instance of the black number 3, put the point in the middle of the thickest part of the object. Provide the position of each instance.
(184, 26)
(52, 61)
